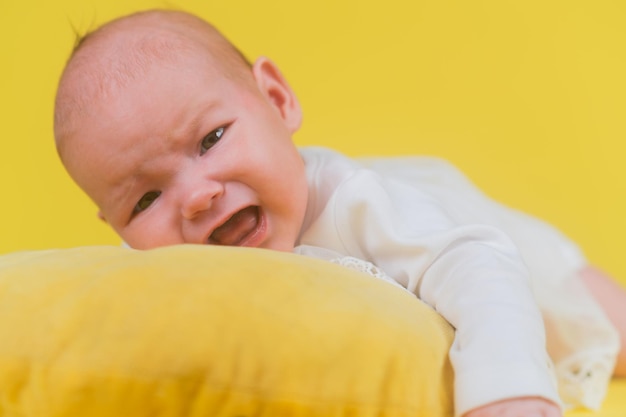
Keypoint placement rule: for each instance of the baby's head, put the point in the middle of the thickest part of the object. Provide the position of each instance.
(177, 139)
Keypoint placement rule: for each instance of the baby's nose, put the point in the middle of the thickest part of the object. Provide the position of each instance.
(199, 197)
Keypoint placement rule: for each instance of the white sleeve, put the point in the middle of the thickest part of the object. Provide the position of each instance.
(471, 274)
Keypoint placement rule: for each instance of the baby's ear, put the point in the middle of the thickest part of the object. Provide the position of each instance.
(276, 89)
(101, 216)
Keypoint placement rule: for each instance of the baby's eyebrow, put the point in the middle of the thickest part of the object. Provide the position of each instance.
(121, 195)
(191, 125)
(192, 128)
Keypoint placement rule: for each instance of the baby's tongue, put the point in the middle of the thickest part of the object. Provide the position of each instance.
(240, 225)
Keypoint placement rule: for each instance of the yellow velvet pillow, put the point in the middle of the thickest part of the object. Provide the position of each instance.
(211, 331)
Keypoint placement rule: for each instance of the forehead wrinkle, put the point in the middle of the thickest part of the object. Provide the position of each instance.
(191, 121)
(127, 185)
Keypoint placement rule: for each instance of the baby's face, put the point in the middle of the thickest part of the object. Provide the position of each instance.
(189, 155)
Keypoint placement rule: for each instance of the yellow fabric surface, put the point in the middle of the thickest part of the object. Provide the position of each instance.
(212, 331)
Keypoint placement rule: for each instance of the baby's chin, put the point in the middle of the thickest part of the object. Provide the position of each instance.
(282, 245)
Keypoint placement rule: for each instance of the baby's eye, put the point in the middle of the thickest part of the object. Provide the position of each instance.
(145, 201)
(211, 139)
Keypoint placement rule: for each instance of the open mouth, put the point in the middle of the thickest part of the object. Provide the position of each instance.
(239, 230)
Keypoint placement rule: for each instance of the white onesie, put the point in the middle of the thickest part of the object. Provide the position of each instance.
(491, 271)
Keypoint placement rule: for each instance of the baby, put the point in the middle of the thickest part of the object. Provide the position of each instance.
(178, 139)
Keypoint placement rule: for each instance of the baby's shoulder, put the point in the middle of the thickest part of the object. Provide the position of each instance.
(425, 172)
(426, 166)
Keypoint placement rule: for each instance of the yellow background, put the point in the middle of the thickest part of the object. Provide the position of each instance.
(528, 98)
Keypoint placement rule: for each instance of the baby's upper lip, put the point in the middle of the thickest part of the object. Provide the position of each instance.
(233, 229)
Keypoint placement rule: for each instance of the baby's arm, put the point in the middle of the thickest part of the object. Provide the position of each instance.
(472, 274)
(517, 407)
(478, 283)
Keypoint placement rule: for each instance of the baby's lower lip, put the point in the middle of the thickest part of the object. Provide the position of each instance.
(247, 227)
